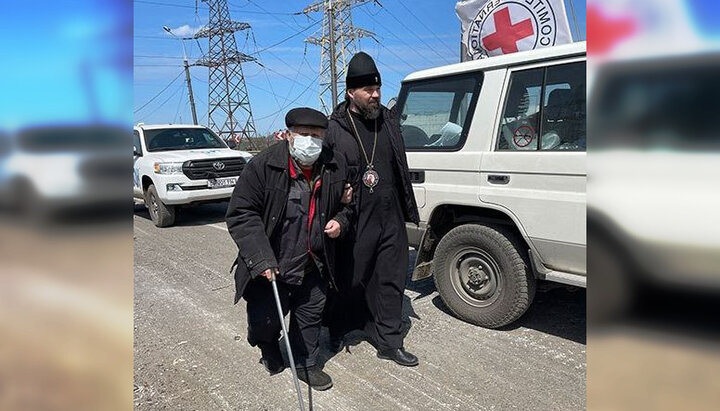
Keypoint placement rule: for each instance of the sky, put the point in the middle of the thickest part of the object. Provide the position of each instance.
(76, 64)
(412, 35)
(65, 64)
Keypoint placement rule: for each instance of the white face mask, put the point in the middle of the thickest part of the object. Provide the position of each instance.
(306, 149)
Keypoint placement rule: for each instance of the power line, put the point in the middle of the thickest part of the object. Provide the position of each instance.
(389, 50)
(180, 101)
(290, 103)
(161, 91)
(413, 33)
(337, 45)
(267, 77)
(287, 38)
(274, 15)
(158, 3)
(283, 108)
(425, 26)
(230, 112)
(157, 65)
(204, 104)
(146, 56)
(398, 39)
(283, 75)
(572, 11)
(164, 102)
(147, 36)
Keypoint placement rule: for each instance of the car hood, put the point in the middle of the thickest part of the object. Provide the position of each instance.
(185, 155)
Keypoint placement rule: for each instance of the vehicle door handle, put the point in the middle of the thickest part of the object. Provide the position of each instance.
(497, 179)
(417, 176)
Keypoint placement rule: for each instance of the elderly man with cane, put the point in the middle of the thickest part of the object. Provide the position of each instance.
(286, 211)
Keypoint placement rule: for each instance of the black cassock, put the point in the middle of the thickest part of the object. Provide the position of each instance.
(371, 296)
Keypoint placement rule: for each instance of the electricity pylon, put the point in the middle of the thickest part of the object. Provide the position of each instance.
(337, 44)
(229, 111)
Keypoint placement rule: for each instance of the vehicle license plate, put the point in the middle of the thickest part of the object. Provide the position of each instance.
(222, 182)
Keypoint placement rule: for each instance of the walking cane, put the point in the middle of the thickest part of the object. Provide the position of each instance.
(287, 340)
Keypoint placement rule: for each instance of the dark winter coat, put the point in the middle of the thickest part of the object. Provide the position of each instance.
(341, 138)
(257, 209)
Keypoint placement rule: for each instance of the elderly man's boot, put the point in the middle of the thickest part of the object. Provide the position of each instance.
(316, 378)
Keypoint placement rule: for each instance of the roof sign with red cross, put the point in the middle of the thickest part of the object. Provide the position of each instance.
(509, 26)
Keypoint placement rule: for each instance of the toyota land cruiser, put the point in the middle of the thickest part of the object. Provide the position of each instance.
(182, 164)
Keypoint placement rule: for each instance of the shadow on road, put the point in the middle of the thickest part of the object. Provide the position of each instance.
(559, 311)
(556, 310)
(194, 215)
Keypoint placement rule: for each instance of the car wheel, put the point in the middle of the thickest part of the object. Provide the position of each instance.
(483, 276)
(161, 215)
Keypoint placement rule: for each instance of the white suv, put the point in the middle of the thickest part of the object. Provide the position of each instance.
(496, 150)
(182, 164)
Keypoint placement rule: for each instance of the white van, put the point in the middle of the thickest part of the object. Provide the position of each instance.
(496, 149)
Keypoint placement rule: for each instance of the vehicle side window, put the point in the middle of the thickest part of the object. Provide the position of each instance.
(545, 110)
(435, 113)
(136, 141)
(520, 121)
(564, 108)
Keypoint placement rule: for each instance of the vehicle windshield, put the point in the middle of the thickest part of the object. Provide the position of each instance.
(168, 139)
(72, 139)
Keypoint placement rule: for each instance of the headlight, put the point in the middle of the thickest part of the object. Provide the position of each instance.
(168, 168)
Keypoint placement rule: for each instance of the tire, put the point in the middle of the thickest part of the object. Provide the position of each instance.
(161, 215)
(483, 275)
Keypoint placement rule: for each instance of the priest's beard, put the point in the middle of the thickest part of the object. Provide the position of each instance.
(369, 111)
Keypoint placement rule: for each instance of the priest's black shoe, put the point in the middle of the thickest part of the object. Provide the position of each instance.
(316, 378)
(399, 355)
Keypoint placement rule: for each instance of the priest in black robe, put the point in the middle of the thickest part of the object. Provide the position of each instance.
(373, 263)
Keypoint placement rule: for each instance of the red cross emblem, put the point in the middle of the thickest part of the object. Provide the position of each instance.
(507, 34)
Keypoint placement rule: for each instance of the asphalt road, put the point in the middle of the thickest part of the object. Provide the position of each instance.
(191, 352)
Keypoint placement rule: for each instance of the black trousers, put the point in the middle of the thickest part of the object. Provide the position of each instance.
(304, 302)
(372, 297)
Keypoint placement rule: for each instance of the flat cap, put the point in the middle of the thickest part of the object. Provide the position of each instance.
(306, 116)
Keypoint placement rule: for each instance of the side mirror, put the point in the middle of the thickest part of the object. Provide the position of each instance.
(232, 144)
(136, 152)
(392, 103)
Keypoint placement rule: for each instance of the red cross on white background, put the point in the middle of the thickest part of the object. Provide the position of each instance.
(507, 34)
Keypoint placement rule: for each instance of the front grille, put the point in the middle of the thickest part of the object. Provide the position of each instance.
(193, 188)
(205, 169)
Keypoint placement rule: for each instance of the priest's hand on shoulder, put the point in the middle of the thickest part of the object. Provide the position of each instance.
(332, 229)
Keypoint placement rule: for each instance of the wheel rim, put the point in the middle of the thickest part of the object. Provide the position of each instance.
(154, 207)
(476, 276)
